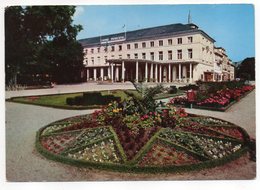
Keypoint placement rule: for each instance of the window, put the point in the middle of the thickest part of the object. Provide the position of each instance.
(169, 42)
(136, 56)
(86, 51)
(136, 46)
(169, 55)
(179, 54)
(128, 56)
(143, 45)
(98, 50)
(98, 59)
(190, 39)
(105, 58)
(120, 47)
(152, 43)
(152, 56)
(160, 43)
(92, 60)
(112, 48)
(120, 56)
(190, 53)
(128, 46)
(160, 55)
(86, 61)
(92, 50)
(179, 40)
(143, 56)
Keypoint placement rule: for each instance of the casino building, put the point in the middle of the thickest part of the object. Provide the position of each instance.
(170, 53)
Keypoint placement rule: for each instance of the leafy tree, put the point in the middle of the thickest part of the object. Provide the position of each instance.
(246, 70)
(42, 39)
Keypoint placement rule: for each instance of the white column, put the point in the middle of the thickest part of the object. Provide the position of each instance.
(173, 73)
(169, 73)
(156, 73)
(95, 74)
(179, 71)
(102, 73)
(112, 72)
(87, 74)
(136, 71)
(123, 71)
(151, 72)
(190, 72)
(117, 74)
(108, 72)
(160, 74)
(146, 72)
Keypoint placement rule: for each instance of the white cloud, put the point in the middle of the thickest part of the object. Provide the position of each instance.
(79, 11)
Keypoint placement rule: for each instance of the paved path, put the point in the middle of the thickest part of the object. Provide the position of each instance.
(59, 89)
(242, 114)
(23, 163)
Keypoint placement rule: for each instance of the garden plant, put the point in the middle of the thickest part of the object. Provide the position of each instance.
(136, 136)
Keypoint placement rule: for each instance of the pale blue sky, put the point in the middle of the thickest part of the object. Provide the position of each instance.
(231, 25)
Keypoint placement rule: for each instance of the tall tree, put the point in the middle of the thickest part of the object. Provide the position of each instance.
(41, 27)
(246, 69)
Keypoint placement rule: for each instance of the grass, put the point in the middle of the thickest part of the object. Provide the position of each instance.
(59, 100)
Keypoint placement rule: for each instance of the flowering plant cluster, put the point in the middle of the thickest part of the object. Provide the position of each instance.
(223, 97)
(218, 99)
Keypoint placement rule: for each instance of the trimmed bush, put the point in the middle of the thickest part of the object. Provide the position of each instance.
(92, 98)
(173, 90)
(189, 87)
(70, 101)
(78, 100)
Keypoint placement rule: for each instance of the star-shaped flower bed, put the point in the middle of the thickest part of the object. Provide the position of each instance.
(165, 142)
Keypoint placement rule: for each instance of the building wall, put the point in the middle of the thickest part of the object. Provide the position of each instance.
(196, 49)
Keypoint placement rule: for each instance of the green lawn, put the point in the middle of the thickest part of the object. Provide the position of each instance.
(59, 100)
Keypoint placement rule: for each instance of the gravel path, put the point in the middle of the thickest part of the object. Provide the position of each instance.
(23, 163)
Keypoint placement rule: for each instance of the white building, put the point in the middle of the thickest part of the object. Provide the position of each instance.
(170, 53)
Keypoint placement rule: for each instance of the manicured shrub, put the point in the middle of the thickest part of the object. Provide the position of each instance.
(78, 100)
(172, 90)
(70, 101)
(189, 87)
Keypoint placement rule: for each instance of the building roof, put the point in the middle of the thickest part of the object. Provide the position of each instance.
(146, 33)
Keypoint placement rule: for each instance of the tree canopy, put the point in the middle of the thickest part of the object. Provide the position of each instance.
(246, 70)
(42, 39)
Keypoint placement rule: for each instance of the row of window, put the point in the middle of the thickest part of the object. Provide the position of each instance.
(136, 45)
(152, 56)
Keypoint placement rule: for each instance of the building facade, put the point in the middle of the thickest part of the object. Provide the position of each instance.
(170, 53)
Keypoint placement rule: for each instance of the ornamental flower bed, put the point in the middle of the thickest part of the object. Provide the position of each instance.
(138, 136)
(142, 143)
(219, 100)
